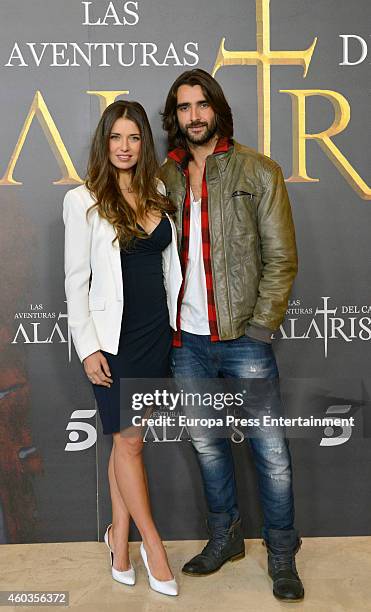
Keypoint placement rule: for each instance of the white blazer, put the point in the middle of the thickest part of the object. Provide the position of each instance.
(95, 313)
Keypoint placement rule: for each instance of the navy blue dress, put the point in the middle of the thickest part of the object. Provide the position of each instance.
(146, 335)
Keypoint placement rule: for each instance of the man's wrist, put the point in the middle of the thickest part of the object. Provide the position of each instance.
(257, 332)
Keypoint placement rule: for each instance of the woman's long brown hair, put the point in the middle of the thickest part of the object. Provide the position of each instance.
(102, 178)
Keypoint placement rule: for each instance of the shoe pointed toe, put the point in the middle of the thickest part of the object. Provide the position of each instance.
(165, 587)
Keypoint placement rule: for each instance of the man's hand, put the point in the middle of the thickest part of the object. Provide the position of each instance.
(97, 370)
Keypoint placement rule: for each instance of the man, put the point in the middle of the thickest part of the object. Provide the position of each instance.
(239, 261)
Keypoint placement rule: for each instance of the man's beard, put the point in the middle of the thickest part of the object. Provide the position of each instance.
(202, 139)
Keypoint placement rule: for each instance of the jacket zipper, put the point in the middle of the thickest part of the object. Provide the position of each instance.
(226, 275)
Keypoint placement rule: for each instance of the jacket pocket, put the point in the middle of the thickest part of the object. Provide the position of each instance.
(240, 192)
(242, 212)
(97, 303)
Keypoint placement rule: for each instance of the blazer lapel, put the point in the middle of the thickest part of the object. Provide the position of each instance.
(114, 257)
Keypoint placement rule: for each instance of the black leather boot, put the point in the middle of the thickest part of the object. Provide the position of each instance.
(226, 544)
(282, 545)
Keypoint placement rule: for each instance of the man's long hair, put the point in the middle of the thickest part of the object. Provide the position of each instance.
(102, 178)
(213, 95)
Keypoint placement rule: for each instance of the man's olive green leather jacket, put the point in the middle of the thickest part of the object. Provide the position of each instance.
(253, 250)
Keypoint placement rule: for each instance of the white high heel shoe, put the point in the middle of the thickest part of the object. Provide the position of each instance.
(125, 577)
(166, 587)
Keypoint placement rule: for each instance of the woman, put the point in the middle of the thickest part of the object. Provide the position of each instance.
(120, 254)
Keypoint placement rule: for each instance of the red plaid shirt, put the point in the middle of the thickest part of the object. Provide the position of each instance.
(178, 155)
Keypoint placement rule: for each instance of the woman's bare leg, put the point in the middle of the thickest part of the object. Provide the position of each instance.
(118, 535)
(131, 481)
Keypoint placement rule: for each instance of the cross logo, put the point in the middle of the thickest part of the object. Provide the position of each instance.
(263, 58)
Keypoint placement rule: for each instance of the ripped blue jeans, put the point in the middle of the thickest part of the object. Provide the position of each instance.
(244, 357)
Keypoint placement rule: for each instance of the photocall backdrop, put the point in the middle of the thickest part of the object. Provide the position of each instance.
(297, 75)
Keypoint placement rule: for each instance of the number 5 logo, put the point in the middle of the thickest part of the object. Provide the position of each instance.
(75, 443)
(329, 430)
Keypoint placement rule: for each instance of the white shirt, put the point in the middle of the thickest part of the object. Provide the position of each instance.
(194, 312)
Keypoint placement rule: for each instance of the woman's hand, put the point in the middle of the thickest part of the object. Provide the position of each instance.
(97, 370)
